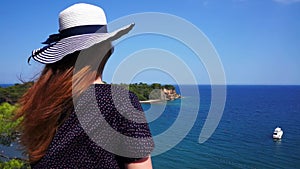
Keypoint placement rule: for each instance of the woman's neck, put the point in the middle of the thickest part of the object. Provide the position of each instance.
(98, 81)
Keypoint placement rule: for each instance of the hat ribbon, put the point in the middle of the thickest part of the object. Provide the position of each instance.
(78, 30)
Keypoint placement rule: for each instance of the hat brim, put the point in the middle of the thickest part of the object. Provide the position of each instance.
(55, 52)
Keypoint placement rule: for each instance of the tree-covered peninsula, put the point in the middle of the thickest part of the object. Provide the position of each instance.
(153, 92)
(143, 91)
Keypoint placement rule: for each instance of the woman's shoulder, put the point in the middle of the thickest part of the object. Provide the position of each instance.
(113, 90)
(111, 87)
(108, 93)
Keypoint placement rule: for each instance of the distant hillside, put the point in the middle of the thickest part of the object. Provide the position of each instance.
(11, 94)
(144, 92)
(154, 91)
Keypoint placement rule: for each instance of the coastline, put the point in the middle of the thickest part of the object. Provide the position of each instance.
(158, 100)
(152, 101)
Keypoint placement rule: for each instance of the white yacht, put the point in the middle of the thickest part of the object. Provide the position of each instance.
(277, 134)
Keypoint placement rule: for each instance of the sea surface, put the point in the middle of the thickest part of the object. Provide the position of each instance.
(5, 85)
(243, 138)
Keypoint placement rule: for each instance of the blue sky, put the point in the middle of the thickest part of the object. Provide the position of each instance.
(258, 41)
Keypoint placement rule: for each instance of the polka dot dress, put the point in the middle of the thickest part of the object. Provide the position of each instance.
(106, 130)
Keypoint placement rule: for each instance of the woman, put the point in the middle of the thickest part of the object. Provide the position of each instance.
(71, 119)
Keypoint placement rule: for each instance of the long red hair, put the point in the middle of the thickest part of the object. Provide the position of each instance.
(46, 105)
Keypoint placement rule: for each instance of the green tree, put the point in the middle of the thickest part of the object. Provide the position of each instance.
(13, 164)
(13, 93)
(156, 86)
(7, 125)
(8, 134)
(169, 87)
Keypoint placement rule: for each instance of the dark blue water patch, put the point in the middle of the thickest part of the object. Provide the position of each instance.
(12, 151)
(6, 85)
(166, 118)
(189, 90)
(243, 138)
(173, 108)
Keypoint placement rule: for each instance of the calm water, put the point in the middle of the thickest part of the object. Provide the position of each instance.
(5, 85)
(243, 138)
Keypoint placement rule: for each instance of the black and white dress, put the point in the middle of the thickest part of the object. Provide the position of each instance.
(84, 140)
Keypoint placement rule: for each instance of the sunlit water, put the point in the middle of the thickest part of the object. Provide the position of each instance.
(243, 138)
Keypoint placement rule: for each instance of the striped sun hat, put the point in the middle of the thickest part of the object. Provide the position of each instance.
(80, 27)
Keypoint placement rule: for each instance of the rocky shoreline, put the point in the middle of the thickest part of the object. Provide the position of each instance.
(165, 95)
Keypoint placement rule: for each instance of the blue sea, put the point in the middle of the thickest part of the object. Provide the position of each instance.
(5, 85)
(243, 138)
